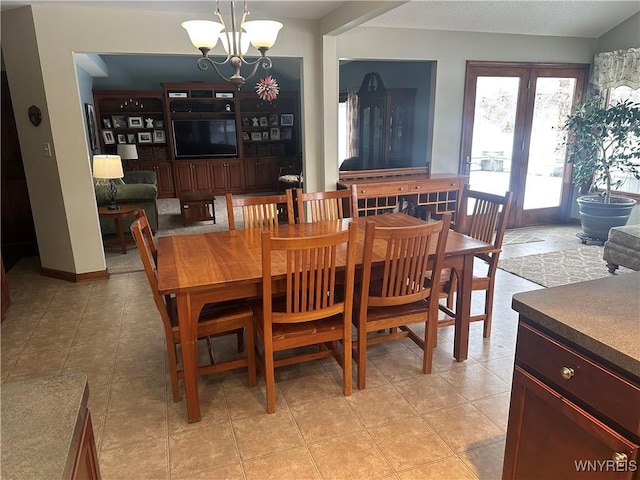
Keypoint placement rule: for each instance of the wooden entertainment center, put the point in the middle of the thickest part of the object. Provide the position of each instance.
(266, 136)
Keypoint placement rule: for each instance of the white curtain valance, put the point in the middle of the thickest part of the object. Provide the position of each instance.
(616, 69)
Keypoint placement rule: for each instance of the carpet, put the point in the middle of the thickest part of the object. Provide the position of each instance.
(560, 268)
(511, 237)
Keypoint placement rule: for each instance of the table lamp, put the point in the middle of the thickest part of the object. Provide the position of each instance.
(128, 151)
(109, 167)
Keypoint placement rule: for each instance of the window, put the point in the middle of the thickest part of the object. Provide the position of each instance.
(629, 183)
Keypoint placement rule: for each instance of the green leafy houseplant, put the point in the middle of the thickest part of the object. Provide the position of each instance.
(603, 141)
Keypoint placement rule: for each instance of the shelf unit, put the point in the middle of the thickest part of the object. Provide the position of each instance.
(136, 117)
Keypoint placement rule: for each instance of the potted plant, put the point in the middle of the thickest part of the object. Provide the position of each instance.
(603, 145)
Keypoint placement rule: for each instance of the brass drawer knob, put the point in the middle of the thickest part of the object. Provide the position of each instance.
(567, 372)
(619, 457)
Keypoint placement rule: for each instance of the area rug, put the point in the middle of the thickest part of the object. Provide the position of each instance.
(511, 237)
(560, 268)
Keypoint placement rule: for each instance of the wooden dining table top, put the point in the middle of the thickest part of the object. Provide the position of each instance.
(226, 259)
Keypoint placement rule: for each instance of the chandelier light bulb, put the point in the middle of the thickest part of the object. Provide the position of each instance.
(203, 33)
(262, 33)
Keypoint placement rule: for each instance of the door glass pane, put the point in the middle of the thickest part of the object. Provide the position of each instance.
(493, 129)
(553, 100)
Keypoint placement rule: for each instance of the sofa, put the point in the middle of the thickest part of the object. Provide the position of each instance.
(622, 248)
(139, 188)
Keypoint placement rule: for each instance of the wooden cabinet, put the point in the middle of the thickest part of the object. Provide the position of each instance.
(570, 417)
(192, 177)
(227, 176)
(132, 117)
(164, 175)
(86, 463)
(261, 174)
(386, 124)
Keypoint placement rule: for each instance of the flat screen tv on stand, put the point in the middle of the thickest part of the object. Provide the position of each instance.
(205, 138)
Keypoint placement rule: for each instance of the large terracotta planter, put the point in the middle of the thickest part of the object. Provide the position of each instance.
(597, 217)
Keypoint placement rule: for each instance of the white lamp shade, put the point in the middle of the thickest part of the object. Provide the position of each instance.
(262, 33)
(107, 166)
(128, 152)
(244, 44)
(203, 33)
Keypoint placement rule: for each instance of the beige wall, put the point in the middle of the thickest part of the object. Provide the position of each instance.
(624, 36)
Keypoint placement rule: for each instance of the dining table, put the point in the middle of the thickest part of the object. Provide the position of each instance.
(226, 265)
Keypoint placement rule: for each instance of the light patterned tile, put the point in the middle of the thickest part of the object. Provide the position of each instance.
(379, 405)
(451, 468)
(291, 464)
(329, 418)
(265, 434)
(148, 459)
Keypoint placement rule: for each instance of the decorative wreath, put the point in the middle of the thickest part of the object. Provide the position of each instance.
(267, 89)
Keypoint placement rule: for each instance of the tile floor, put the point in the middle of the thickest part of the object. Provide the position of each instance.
(405, 425)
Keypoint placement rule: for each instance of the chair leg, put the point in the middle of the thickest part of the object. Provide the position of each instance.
(269, 375)
(240, 340)
(362, 357)
(488, 311)
(251, 353)
(347, 353)
(430, 333)
(173, 370)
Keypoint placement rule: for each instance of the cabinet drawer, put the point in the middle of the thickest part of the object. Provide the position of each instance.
(434, 186)
(610, 394)
(382, 190)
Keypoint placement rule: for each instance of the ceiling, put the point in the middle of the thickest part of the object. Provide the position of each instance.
(564, 18)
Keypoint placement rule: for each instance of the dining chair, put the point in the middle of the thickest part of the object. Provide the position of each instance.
(311, 312)
(219, 319)
(488, 223)
(333, 205)
(394, 292)
(261, 211)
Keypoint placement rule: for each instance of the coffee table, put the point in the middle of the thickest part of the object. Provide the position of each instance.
(129, 210)
(197, 207)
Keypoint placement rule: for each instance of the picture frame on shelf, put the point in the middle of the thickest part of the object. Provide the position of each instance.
(92, 130)
(159, 123)
(119, 121)
(131, 138)
(273, 120)
(245, 136)
(275, 133)
(286, 119)
(107, 136)
(106, 123)
(287, 133)
(246, 122)
(256, 136)
(158, 136)
(144, 137)
(265, 135)
(122, 138)
(264, 122)
(136, 122)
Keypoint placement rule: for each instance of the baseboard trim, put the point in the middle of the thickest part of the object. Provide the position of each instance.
(74, 277)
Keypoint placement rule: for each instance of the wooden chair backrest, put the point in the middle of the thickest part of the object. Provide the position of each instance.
(312, 265)
(401, 279)
(487, 221)
(323, 205)
(141, 232)
(259, 212)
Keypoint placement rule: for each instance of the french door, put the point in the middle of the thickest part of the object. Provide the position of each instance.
(511, 135)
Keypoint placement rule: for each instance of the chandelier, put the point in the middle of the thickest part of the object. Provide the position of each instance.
(262, 34)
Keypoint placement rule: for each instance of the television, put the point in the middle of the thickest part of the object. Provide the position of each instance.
(205, 138)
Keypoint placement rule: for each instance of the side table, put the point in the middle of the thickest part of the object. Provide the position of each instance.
(197, 207)
(118, 215)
